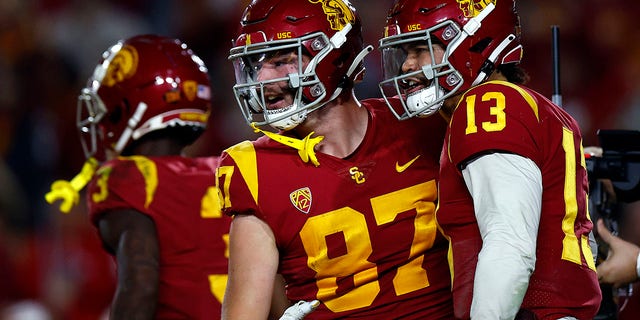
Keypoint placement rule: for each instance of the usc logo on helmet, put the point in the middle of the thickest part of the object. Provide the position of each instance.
(284, 35)
(472, 8)
(339, 12)
(122, 66)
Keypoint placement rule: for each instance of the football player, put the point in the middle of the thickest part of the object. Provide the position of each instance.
(513, 183)
(341, 199)
(155, 209)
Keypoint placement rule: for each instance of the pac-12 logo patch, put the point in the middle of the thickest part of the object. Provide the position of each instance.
(301, 199)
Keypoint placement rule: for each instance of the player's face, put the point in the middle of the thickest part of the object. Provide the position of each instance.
(417, 56)
(279, 94)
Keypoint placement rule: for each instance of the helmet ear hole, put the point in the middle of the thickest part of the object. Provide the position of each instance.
(116, 114)
(340, 61)
(481, 45)
(345, 82)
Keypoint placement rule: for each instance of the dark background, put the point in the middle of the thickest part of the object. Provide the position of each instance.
(48, 49)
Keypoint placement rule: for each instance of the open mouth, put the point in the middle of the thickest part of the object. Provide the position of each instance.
(274, 101)
(412, 85)
(275, 98)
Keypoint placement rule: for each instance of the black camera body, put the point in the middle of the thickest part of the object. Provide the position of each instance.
(619, 163)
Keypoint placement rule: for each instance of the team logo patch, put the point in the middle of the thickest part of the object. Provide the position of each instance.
(122, 66)
(339, 12)
(472, 8)
(301, 199)
(190, 89)
(172, 96)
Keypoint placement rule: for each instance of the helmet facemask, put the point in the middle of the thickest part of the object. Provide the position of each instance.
(476, 37)
(301, 82)
(90, 111)
(94, 133)
(422, 91)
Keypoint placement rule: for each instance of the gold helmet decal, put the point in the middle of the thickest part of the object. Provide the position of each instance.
(122, 66)
(472, 8)
(190, 88)
(339, 12)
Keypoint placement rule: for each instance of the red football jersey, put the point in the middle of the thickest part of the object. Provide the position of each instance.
(503, 117)
(179, 194)
(358, 234)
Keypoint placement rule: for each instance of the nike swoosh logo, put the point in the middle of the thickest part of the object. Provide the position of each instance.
(401, 168)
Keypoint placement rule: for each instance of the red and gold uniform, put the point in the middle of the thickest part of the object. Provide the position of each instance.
(357, 233)
(179, 195)
(502, 117)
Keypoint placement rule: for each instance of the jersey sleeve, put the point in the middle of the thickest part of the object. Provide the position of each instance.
(496, 116)
(237, 180)
(125, 183)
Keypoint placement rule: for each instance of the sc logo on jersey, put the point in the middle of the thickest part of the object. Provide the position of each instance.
(357, 175)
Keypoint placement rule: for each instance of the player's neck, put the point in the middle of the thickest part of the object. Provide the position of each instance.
(343, 123)
(158, 148)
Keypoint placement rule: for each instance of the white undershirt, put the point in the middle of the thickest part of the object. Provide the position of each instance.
(507, 196)
(638, 266)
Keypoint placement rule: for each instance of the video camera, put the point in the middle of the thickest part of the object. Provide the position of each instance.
(619, 163)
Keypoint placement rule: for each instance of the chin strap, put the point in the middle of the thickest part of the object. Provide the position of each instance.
(305, 146)
(69, 191)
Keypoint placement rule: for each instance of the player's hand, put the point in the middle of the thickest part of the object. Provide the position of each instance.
(620, 266)
(300, 310)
